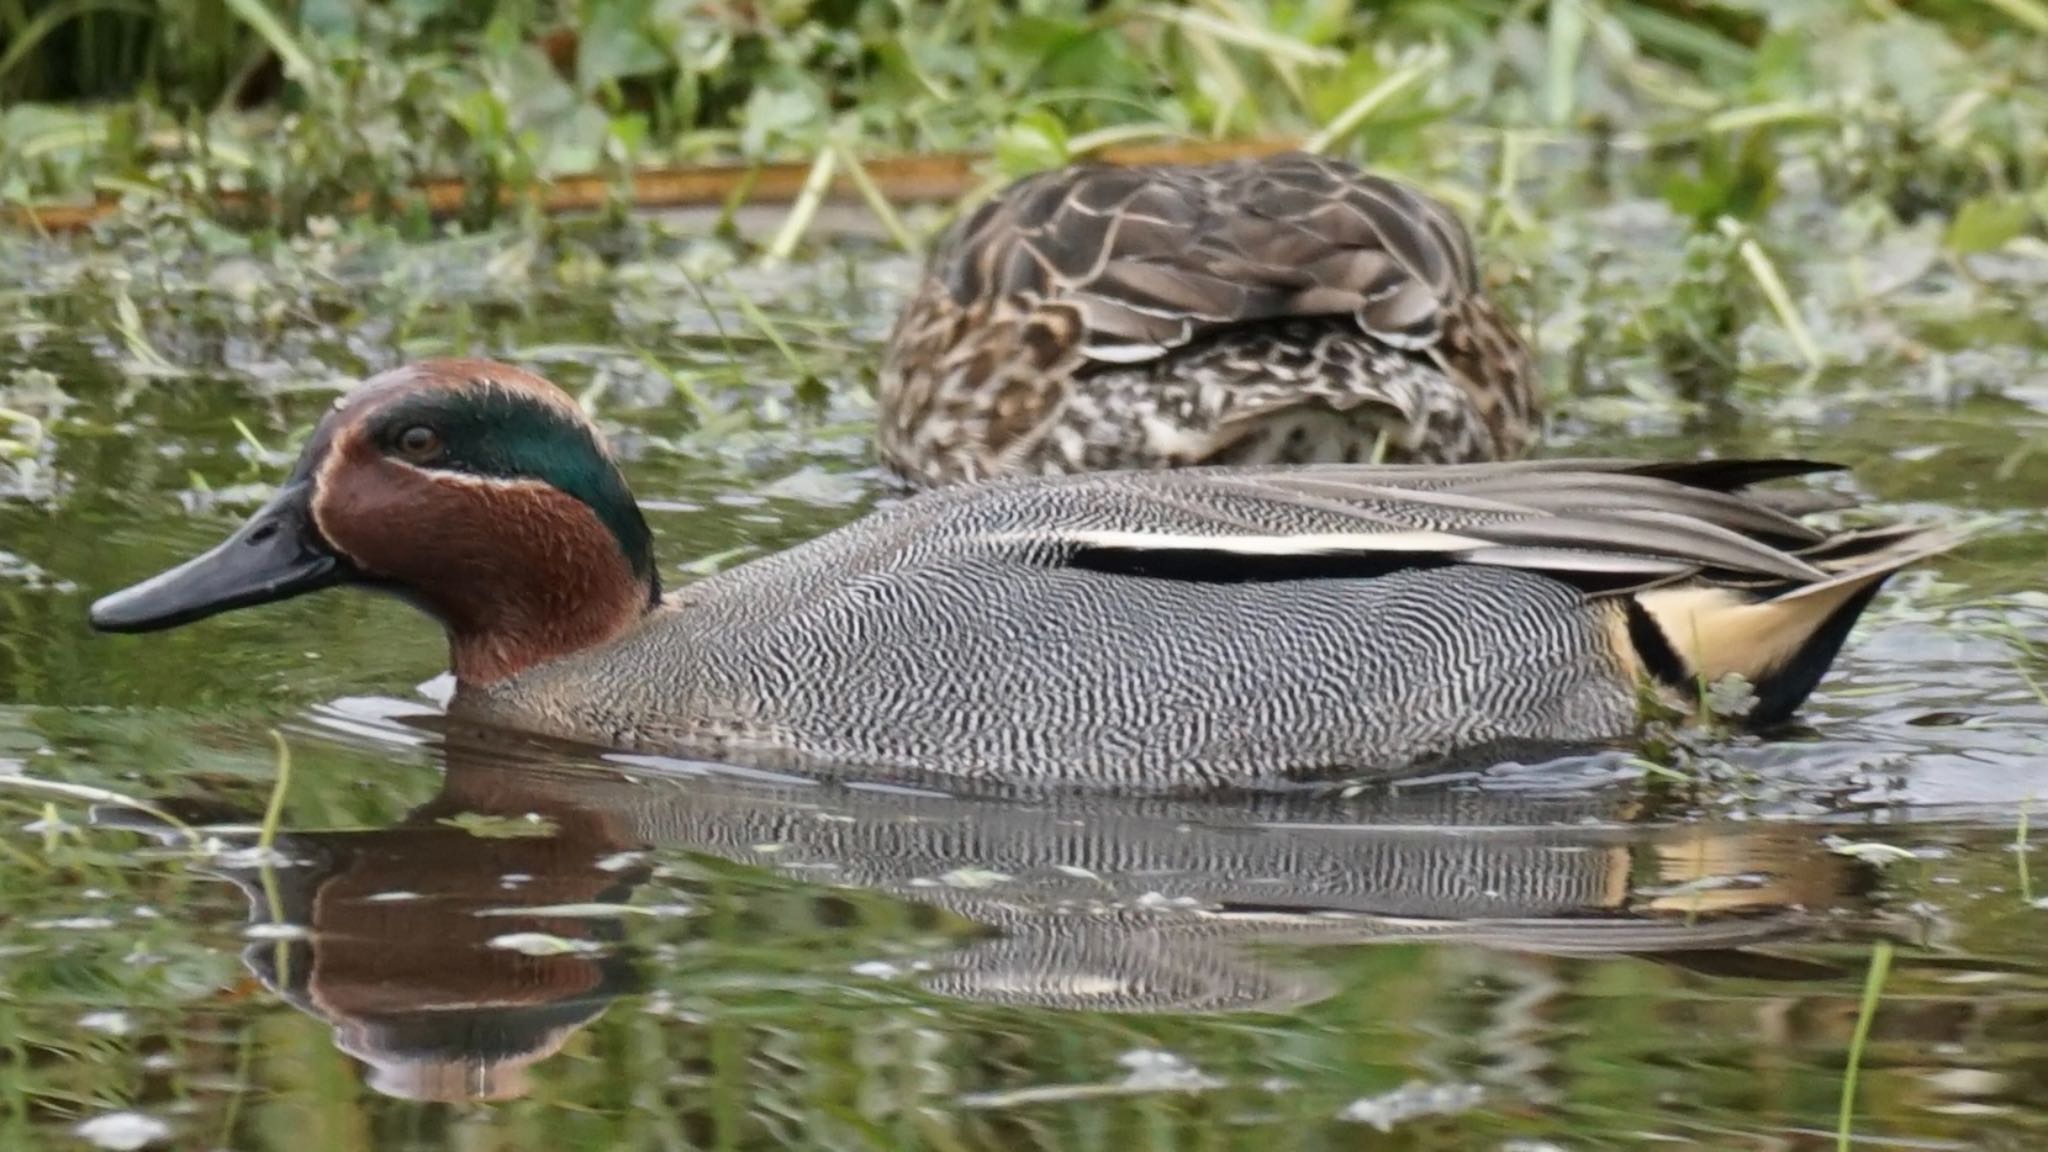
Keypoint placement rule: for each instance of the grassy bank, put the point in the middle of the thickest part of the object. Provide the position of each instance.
(1681, 199)
(330, 105)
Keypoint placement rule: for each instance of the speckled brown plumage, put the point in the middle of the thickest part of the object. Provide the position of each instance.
(1288, 309)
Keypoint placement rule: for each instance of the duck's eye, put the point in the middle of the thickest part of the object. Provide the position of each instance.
(419, 443)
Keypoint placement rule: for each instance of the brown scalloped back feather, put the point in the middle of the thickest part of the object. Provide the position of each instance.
(1286, 309)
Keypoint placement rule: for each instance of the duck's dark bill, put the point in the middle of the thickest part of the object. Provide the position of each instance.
(276, 555)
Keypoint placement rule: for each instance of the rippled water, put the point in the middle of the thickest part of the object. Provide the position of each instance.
(629, 952)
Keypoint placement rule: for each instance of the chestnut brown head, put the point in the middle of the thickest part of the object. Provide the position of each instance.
(475, 490)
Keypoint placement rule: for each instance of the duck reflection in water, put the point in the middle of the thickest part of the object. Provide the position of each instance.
(1093, 903)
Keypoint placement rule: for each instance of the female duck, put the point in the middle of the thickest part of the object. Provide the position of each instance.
(1280, 310)
(1139, 630)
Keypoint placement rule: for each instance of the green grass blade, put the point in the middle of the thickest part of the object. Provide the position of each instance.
(1344, 123)
(50, 18)
(2031, 13)
(1566, 42)
(1873, 991)
(265, 24)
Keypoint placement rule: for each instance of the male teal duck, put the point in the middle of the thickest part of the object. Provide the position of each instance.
(1135, 630)
(1287, 309)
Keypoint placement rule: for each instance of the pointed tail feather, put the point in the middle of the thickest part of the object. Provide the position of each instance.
(1854, 553)
(1781, 638)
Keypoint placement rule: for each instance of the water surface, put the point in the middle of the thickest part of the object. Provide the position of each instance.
(463, 940)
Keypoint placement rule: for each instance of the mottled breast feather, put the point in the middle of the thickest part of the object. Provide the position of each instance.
(1091, 273)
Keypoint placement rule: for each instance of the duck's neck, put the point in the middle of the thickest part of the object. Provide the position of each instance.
(514, 600)
(535, 618)
(564, 584)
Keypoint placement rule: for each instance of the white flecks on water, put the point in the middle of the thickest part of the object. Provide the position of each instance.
(123, 1131)
(276, 932)
(1411, 1101)
(543, 944)
(620, 861)
(108, 1023)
